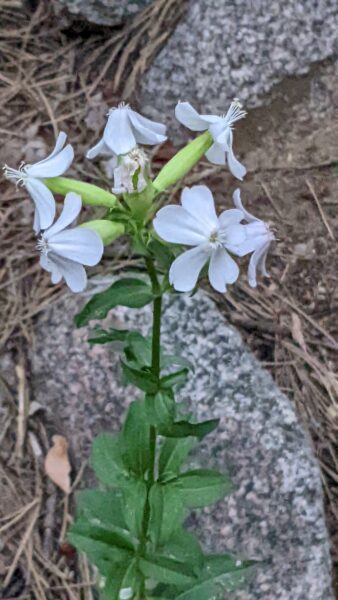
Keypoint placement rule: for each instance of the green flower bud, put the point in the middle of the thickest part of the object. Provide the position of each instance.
(91, 195)
(183, 161)
(107, 230)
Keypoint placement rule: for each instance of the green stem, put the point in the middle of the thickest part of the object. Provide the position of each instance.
(156, 368)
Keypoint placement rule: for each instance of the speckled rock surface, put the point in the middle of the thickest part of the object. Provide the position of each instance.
(103, 12)
(275, 512)
(223, 50)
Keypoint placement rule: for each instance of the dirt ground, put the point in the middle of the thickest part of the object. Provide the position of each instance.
(54, 79)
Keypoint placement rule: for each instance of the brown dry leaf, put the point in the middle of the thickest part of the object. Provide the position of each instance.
(57, 465)
(297, 331)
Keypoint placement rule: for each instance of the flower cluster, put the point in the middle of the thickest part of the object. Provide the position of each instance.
(63, 251)
(213, 240)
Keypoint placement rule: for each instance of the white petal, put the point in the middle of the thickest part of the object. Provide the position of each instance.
(186, 268)
(118, 134)
(174, 224)
(188, 116)
(44, 203)
(222, 269)
(220, 133)
(257, 262)
(216, 154)
(148, 132)
(73, 273)
(52, 268)
(232, 216)
(78, 244)
(59, 144)
(234, 235)
(237, 169)
(100, 148)
(199, 203)
(71, 210)
(154, 125)
(53, 167)
(238, 203)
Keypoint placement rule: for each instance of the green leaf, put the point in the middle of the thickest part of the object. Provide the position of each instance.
(182, 429)
(184, 547)
(136, 439)
(124, 582)
(167, 360)
(166, 512)
(102, 336)
(133, 293)
(105, 506)
(201, 487)
(162, 253)
(134, 499)
(160, 408)
(138, 349)
(143, 379)
(173, 454)
(221, 574)
(107, 460)
(166, 570)
(177, 378)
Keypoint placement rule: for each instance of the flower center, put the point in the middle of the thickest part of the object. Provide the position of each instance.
(214, 239)
(18, 175)
(120, 105)
(42, 246)
(235, 113)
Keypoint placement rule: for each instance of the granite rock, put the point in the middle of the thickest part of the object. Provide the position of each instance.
(275, 512)
(103, 12)
(223, 50)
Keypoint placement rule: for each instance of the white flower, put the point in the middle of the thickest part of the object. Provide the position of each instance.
(195, 223)
(220, 127)
(130, 172)
(126, 128)
(65, 251)
(258, 237)
(54, 165)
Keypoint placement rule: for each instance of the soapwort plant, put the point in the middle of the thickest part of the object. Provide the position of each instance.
(132, 526)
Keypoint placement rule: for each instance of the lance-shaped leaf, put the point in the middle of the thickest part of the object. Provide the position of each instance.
(124, 582)
(135, 440)
(182, 429)
(173, 454)
(107, 507)
(107, 460)
(221, 574)
(201, 487)
(160, 408)
(167, 570)
(133, 293)
(134, 499)
(144, 379)
(166, 512)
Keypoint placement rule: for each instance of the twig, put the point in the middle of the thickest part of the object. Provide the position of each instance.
(320, 208)
(23, 410)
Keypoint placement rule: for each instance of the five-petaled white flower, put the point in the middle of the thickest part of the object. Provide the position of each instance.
(65, 251)
(258, 237)
(195, 223)
(31, 176)
(125, 128)
(220, 127)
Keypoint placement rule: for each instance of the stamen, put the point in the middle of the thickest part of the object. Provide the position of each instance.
(42, 246)
(120, 105)
(235, 112)
(18, 174)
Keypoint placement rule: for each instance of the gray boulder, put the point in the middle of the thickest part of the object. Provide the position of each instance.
(103, 12)
(276, 510)
(222, 50)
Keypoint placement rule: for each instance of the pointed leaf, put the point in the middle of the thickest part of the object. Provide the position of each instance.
(184, 547)
(166, 512)
(134, 499)
(130, 292)
(123, 583)
(105, 506)
(177, 378)
(160, 408)
(136, 439)
(166, 570)
(221, 574)
(201, 487)
(173, 454)
(144, 380)
(182, 429)
(102, 336)
(107, 460)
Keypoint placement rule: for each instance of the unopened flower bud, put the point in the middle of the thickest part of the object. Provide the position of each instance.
(107, 230)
